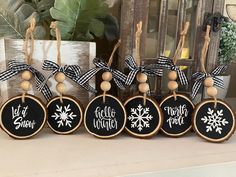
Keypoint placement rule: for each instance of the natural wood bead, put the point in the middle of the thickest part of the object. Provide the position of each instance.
(61, 88)
(208, 82)
(105, 86)
(143, 87)
(25, 85)
(26, 75)
(172, 75)
(211, 91)
(172, 85)
(60, 77)
(141, 77)
(107, 76)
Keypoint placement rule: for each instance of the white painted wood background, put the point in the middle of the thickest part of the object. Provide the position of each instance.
(72, 52)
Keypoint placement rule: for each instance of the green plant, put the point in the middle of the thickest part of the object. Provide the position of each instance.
(84, 19)
(77, 19)
(15, 17)
(227, 49)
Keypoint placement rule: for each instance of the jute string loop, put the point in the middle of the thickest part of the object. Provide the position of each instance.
(137, 42)
(204, 54)
(181, 43)
(58, 38)
(137, 51)
(29, 54)
(204, 49)
(110, 62)
(179, 49)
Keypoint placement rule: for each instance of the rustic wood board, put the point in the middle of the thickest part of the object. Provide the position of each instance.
(72, 52)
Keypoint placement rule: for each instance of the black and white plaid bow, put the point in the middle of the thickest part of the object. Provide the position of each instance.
(71, 71)
(149, 70)
(16, 67)
(165, 62)
(119, 77)
(199, 78)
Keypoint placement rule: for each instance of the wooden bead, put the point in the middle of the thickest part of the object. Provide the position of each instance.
(26, 75)
(143, 87)
(211, 91)
(25, 85)
(172, 75)
(141, 77)
(208, 82)
(107, 76)
(60, 77)
(105, 86)
(172, 85)
(61, 88)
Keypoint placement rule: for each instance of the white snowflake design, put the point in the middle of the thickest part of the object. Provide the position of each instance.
(140, 117)
(64, 115)
(214, 120)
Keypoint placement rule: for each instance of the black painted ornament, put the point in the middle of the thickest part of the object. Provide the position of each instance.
(23, 119)
(215, 124)
(105, 118)
(177, 115)
(143, 120)
(64, 116)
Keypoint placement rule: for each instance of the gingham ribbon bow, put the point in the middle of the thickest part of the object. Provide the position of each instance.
(71, 71)
(134, 69)
(199, 78)
(165, 62)
(118, 76)
(16, 67)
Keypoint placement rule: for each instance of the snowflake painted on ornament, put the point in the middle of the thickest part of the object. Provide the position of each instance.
(140, 117)
(214, 120)
(64, 115)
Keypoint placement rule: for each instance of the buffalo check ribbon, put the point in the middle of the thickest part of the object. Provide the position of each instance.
(71, 71)
(165, 62)
(16, 67)
(118, 77)
(149, 70)
(200, 76)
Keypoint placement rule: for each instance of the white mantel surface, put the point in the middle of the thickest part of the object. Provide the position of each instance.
(82, 155)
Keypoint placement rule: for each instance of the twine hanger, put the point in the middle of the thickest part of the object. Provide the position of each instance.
(179, 48)
(110, 62)
(137, 43)
(205, 49)
(58, 37)
(137, 52)
(204, 56)
(28, 55)
(54, 27)
(29, 34)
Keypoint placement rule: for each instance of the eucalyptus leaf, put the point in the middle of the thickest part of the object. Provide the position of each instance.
(15, 17)
(80, 19)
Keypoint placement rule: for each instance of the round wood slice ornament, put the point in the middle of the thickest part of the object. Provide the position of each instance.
(65, 114)
(143, 120)
(177, 115)
(105, 119)
(23, 120)
(214, 124)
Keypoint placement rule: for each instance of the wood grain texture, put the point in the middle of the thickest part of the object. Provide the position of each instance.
(81, 53)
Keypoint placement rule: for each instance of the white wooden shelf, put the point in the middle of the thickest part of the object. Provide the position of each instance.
(81, 154)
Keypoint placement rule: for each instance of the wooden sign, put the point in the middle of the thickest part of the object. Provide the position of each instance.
(72, 52)
(215, 124)
(143, 120)
(23, 119)
(177, 115)
(105, 119)
(64, 116)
